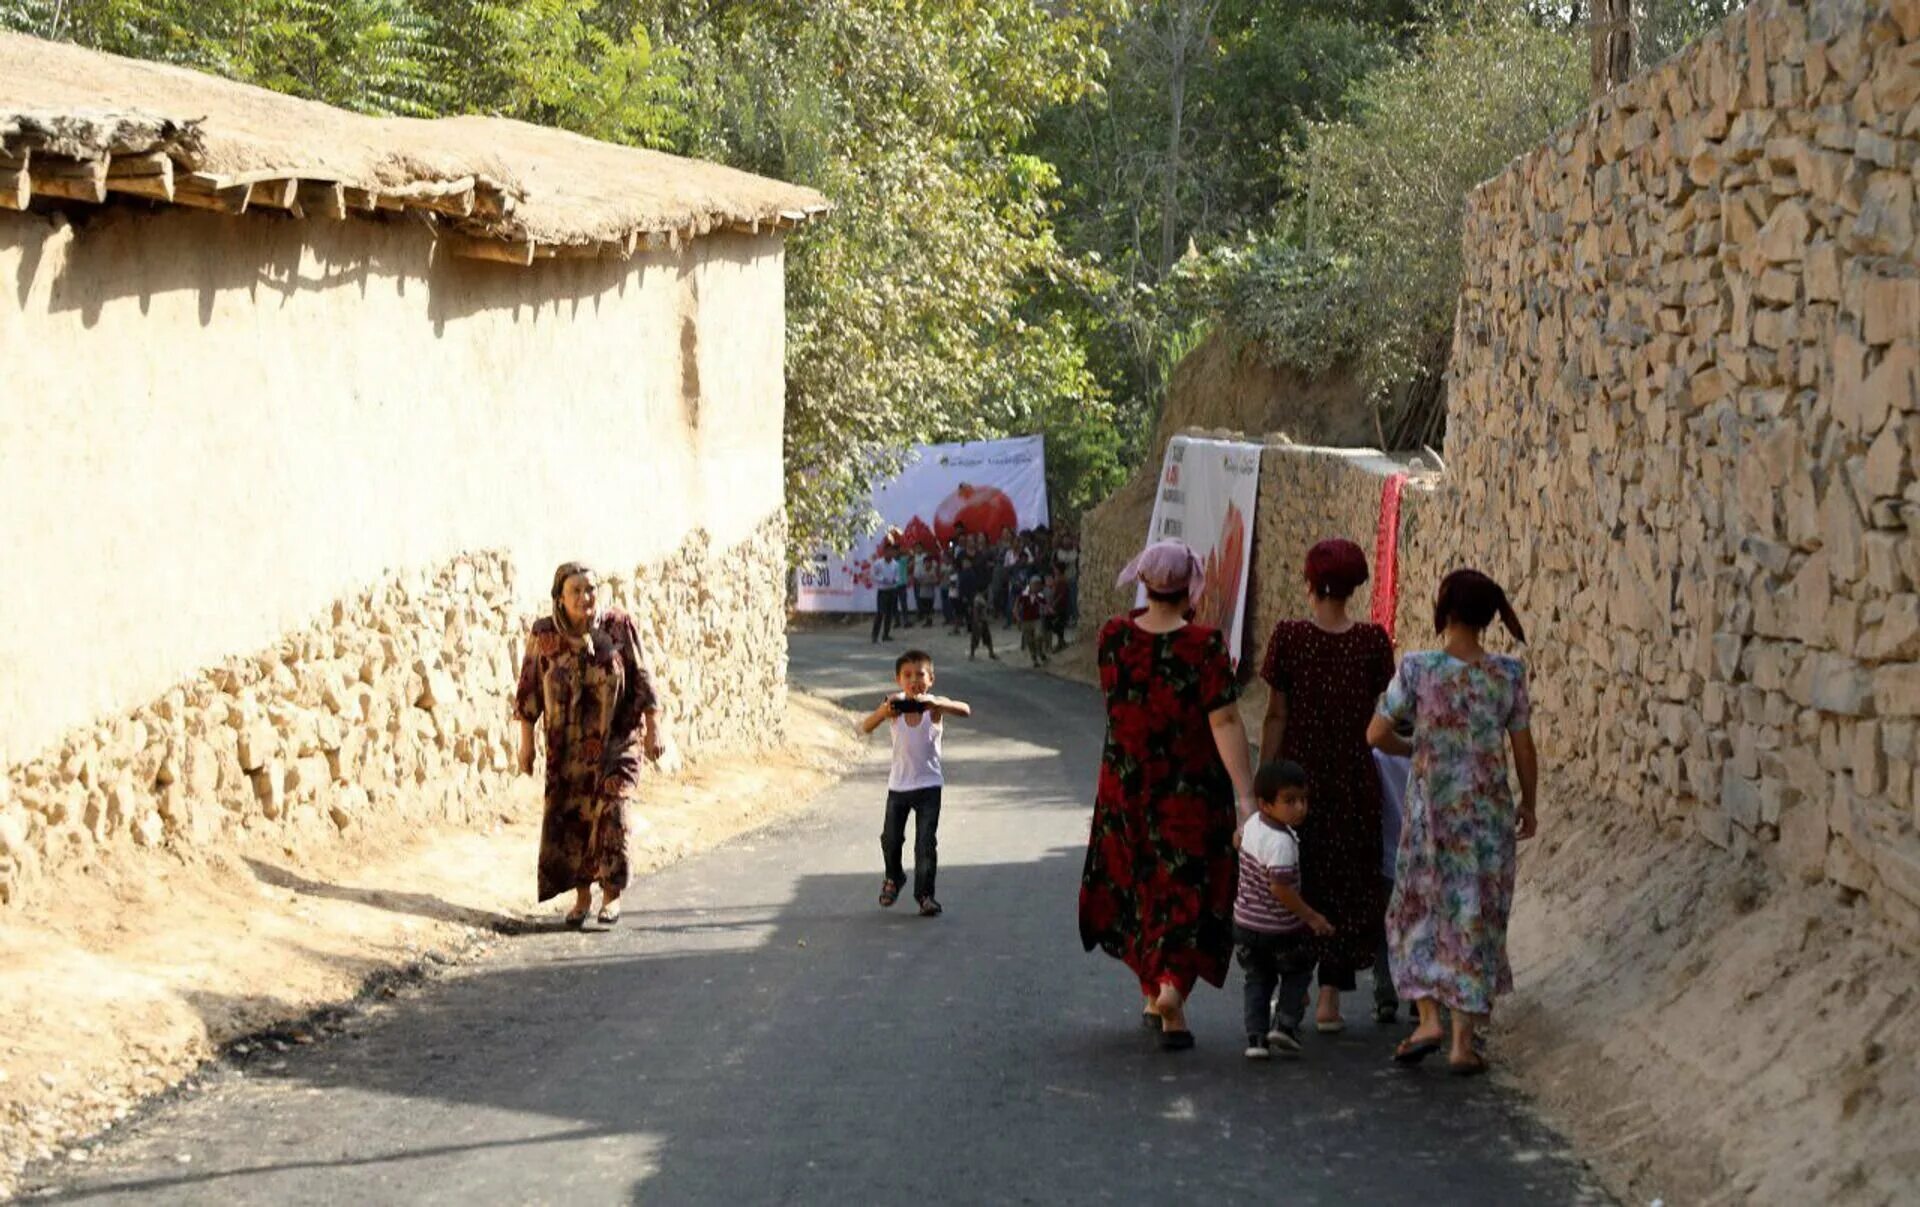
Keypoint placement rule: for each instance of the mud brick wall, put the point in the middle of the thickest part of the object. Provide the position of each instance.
(1685, 424)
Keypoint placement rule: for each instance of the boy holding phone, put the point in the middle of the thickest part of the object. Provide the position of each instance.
(918, 720)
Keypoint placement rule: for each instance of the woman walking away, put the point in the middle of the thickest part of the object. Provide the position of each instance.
(1158, 886)
(1447, 923)
(585, 677)
(1327, 673)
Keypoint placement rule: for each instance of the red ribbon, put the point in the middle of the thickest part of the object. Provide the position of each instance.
(1386, 554)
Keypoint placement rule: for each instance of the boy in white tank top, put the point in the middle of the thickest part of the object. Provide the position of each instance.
(918, 720)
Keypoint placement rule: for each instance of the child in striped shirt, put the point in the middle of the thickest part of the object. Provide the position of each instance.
(1271, 922)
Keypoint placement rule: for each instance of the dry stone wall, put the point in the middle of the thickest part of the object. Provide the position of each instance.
(1685, 429)
(1685, 423)
(395, 700)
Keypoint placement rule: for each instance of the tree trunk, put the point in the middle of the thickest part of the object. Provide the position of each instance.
(1612, 32)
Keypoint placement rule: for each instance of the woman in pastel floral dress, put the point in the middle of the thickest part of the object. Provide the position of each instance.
(1447, 921)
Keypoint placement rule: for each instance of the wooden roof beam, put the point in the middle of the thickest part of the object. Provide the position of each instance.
(149, 176)
(71, 179)
(15, 189)
(218, 193)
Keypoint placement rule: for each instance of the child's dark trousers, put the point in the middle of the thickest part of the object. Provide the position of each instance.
(924, 804)
(1273, 961)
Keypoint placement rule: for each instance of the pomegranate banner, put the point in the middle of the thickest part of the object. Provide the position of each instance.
(982, 486)
(1206, 498)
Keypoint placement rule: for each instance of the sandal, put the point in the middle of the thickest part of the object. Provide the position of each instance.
(576, 921)
(610, 914)
(929, 908)
(1412, 1051)
(1467, 1068)
(1176, 1041)
(889, 893)
(1385, 1014)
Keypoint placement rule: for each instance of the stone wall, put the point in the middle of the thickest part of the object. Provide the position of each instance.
(1684, 428)
(393, 700)
(1684, 422)
(1307, 495)
(228, 428)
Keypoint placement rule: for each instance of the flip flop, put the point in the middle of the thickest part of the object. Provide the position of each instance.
(576, 921)
(1467, 1068)
(1176, 1041)
(889, 893)
(610, 916)
(1412, 1052)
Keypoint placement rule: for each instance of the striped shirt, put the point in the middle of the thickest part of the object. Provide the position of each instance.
(1267, 852)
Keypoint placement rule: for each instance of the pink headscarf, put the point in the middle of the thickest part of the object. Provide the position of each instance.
(1164, 567)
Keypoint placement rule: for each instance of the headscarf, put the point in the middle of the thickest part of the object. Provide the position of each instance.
(581, 637)
(1165, 567)
(1467, 594)
(1335, 568)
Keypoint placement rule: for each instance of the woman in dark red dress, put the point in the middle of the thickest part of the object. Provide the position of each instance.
(1157, 890)
(1327, 673)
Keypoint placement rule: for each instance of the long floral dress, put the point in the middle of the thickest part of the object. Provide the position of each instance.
(1447, 922)
(1332, 682)
(1157, 890)
(590, 696)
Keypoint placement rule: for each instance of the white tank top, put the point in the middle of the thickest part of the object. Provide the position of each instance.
(916, 754)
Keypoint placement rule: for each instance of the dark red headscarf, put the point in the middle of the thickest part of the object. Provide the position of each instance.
(1336, 568)
(1473, 599)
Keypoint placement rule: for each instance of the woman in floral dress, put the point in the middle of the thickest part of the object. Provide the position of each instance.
(586, 678)
(1327, 672)
(1157, 890)
(1447, 922)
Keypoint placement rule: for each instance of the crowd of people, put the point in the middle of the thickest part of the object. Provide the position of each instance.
(1027, 578)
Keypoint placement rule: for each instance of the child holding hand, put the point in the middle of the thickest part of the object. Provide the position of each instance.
(1271, 922)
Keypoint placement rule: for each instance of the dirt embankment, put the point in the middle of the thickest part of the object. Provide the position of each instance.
(132, 974)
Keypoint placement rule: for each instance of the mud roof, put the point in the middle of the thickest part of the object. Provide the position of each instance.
(83, 126)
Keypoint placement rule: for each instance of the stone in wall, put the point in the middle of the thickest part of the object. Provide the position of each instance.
(396, 700)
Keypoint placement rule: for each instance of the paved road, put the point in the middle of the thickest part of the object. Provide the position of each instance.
(758, 1031)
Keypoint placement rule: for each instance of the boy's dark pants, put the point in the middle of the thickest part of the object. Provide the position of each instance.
(1271, 961)
(982, 631)
(886, 603)
(924, 804)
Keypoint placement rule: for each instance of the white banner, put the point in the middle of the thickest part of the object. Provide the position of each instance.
(1206, 498)
(990, 486)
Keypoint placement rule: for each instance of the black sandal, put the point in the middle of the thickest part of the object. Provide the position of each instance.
(1176, 1041)
(576, 921)
(929, 908)
(1411, 1051)
(889, 893)
(1467, 1068)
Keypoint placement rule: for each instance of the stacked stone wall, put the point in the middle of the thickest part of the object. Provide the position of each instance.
(391, 705)
(1685, 423)
(1684, 427)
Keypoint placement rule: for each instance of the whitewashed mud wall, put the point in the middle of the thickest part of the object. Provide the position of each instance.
(277, 500)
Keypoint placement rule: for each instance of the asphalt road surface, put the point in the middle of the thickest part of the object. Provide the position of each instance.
(757, 1030)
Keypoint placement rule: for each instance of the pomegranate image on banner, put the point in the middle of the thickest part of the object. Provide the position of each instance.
(916, 535)
(1215, 606)
(985, 509)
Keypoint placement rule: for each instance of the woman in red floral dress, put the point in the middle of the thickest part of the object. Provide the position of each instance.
(1327, 673)
(1157, 891)
(585, 681)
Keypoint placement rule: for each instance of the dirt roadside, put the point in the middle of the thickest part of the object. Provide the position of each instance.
(118, 985)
